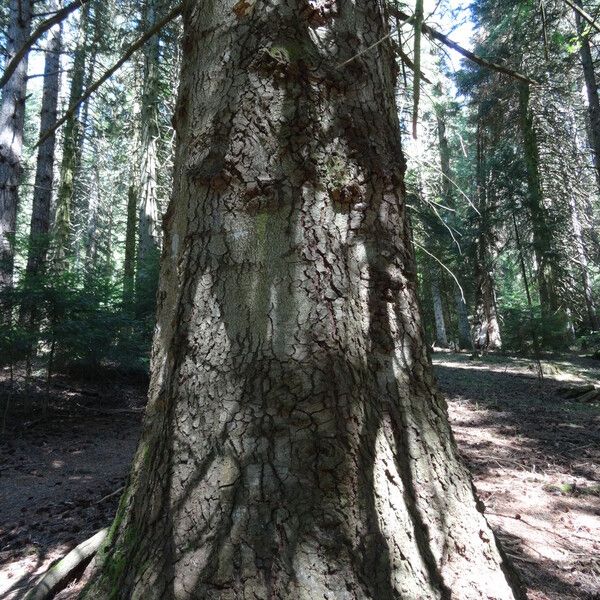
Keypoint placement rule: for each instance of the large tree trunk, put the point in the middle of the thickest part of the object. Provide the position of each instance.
(294, 444)
(44, 174)
(12, 120)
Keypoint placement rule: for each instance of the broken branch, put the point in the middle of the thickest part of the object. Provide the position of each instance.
(464, 52)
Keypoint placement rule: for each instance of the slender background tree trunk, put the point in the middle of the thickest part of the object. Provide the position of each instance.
(486, 329)
(583, 265)
(464, 329)
(541, 236)
(12, 120)
(44, 175)
(148, 222)
(129, 262)
(591, 86)
(71, 151)
(438, 309)
(462, 316)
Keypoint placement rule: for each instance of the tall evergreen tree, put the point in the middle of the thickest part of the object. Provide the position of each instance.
(71, 153)
(148, 210)
(44, 176)
(12, 121)
(295, 446)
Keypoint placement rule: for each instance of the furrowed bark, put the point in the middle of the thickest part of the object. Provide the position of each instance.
(294, 445)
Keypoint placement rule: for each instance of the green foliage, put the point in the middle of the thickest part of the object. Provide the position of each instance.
(522, 326)
(75, 320)
(590, 343)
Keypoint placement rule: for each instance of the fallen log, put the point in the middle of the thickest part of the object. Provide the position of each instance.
(591, 396)
(574, 391)
(66, 569)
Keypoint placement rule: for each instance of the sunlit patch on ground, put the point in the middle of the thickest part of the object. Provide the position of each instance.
(535, 458)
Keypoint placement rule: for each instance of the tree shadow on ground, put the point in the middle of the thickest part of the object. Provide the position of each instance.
(538, 573)
(547, 429)
(535, 458)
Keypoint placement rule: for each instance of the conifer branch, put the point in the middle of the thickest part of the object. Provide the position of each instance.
(433, 33)
(109, 72)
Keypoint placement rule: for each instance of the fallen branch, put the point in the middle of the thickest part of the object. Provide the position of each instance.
(581, 393)
(63, 572)
(111, 495)
(111, 411)
(72, 506)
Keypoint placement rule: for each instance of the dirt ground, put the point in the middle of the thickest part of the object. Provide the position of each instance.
(60, 473)
(535, 458)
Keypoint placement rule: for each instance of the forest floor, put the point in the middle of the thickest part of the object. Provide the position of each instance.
(535, 458)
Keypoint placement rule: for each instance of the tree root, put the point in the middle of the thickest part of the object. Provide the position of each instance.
(66, 569)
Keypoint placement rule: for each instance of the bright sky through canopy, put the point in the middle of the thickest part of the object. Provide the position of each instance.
(457, 24)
